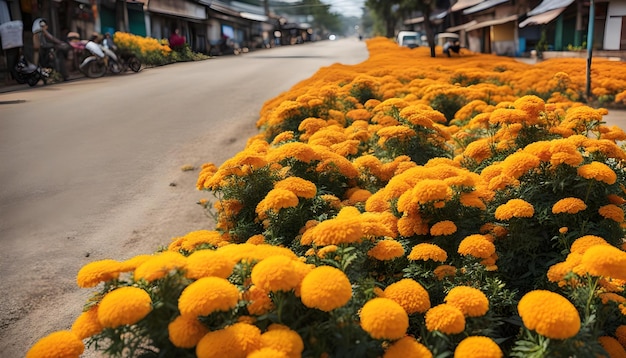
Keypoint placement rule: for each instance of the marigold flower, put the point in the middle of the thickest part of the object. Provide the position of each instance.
(267, 352)
(605, 260)
(95, 272)
(259, 301)
(160, 265)
(612, 212)
(612, 346)
(583, 243)
(477, 346)
(442, 228)
(410, 294)
(301, 187)
(597, 171)
(519, 163)
(275, 200)
(60, 344)
(514, 208)
(549, 314)
(443, 271)
(124, 306)
(296, 150)
(325, 288)
(387, 249)
(186, 331)
(471, 301)
(445, 318)
(620, 334)
(476, 245)
(383, 318)
(426, 251)
(87, 324)
(407, 347)
(275, 273)
(208, 295)
(219, 344)
(607, 297)
(191, 240)
(479, 150)
(205, 263)
(334, 232)
(247, 336)
(569, 206)
(428, 190)
(284, 340)
(472, 200)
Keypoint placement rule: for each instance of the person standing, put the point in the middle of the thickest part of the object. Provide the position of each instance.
(48, 42)
(176, 40)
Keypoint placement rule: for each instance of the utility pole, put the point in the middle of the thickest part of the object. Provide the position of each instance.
(592, 15)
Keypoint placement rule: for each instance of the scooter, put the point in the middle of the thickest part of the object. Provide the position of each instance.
(26, 72)
(101, 60)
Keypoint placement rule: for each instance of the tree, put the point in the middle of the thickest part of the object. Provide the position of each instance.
(386, 11)
(426, 7)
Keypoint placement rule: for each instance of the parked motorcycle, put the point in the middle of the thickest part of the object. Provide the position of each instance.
(103, 60)
(26, 72)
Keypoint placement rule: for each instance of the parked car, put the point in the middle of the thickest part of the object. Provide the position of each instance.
(408, 39)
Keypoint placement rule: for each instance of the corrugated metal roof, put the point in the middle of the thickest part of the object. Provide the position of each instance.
(547, 5)
(462, 27)
(542, 18)
(464, 4)
(499, 21)
(483, 6)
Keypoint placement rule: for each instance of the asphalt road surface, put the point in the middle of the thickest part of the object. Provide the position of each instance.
(91, 169)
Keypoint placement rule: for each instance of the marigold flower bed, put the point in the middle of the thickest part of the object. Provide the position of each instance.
(402, 207)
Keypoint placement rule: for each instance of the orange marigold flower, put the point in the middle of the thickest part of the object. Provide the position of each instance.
(442, 228)
(426, 251)
(95, 272)
(472, 200)
(205, 263)
(605, 260)
(292, 150)
(283, 339)
(383, 318)
(549, 314)
(208, 295)
(275, 200)
(325, 288)
(479, 150)
(186, 331)
(301, 187)
(275, 273)
(583, 243)
(620, 334)
(514, 208)
(616, 199)
(60, 344)
(476, 245)
(407, 347)
(387, 249)
(334, 232)
(87, 324)
(409, 294)
(607, 297)
(443, 271)
(124, 306)
(569, 206)
(612, 346)
(219, 344)
(477, 346)
(259, 301)
(429, 190)
(267, 352)
(519, 163)
(612, 212)
(445, 318)
(324, 251)
(160, 265)
(471, 301)
(597, 171)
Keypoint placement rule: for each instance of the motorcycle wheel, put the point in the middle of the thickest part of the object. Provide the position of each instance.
(19, 77)
(114, 67)
(95, 69)
(134, 64)
(33, 79)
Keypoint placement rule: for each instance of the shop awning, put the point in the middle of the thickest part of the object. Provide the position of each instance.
(413, 21)
(464, 4)
(462, 27)
(437, 15)
(547, 5)
(178, 8)
(543, 18)
(254, 17)
(500, 21)
(484, 5)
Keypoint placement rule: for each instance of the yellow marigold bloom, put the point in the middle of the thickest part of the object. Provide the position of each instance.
(472, 200)
(519, 163)
(219, 344)
(301, 187)
(357, 196)
(292, 150)
(60, 344)
(540, 149)
(87, 324)
(191, 240)
(616, 199)
(597, 171)
(334, 232)
(549, 314)
(532, 105)
(620, 334)
(95, 272)
(285, 136)
(583, 243)
(409, 294)
(134, 262)
(376, 224)
(442, 228)
(402, 133)
(605, 260)
(477, 347)
(275, 273)
(612, 346)
(407, 347)
(612, 212)
(283, 339)
(208, 295)
(275, 200)
(471, 301)
(256, 239)
(507, 116)
(479, 150)
(476, 245)
(205, 263)
(569, 206)
(514, 208)
(267, 352)
(383, 318)
(445, 318)
(124, 306)
(324, 251)
(186, 331)
(607, 297)
(247, 336)
(259, 301)
(325, 288)
(160, 265)
(360, 114)
(429, 190)
(387, 249)
(252, 252)
(426, 251)
(443, 271)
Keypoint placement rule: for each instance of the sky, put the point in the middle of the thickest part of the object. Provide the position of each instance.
(346, 7)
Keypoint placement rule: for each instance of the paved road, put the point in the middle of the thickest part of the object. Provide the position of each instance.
(90, 169)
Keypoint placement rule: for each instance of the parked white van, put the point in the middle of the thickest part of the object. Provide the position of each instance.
(408, 39)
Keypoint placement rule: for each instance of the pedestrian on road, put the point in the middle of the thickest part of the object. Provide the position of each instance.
(49, 43)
